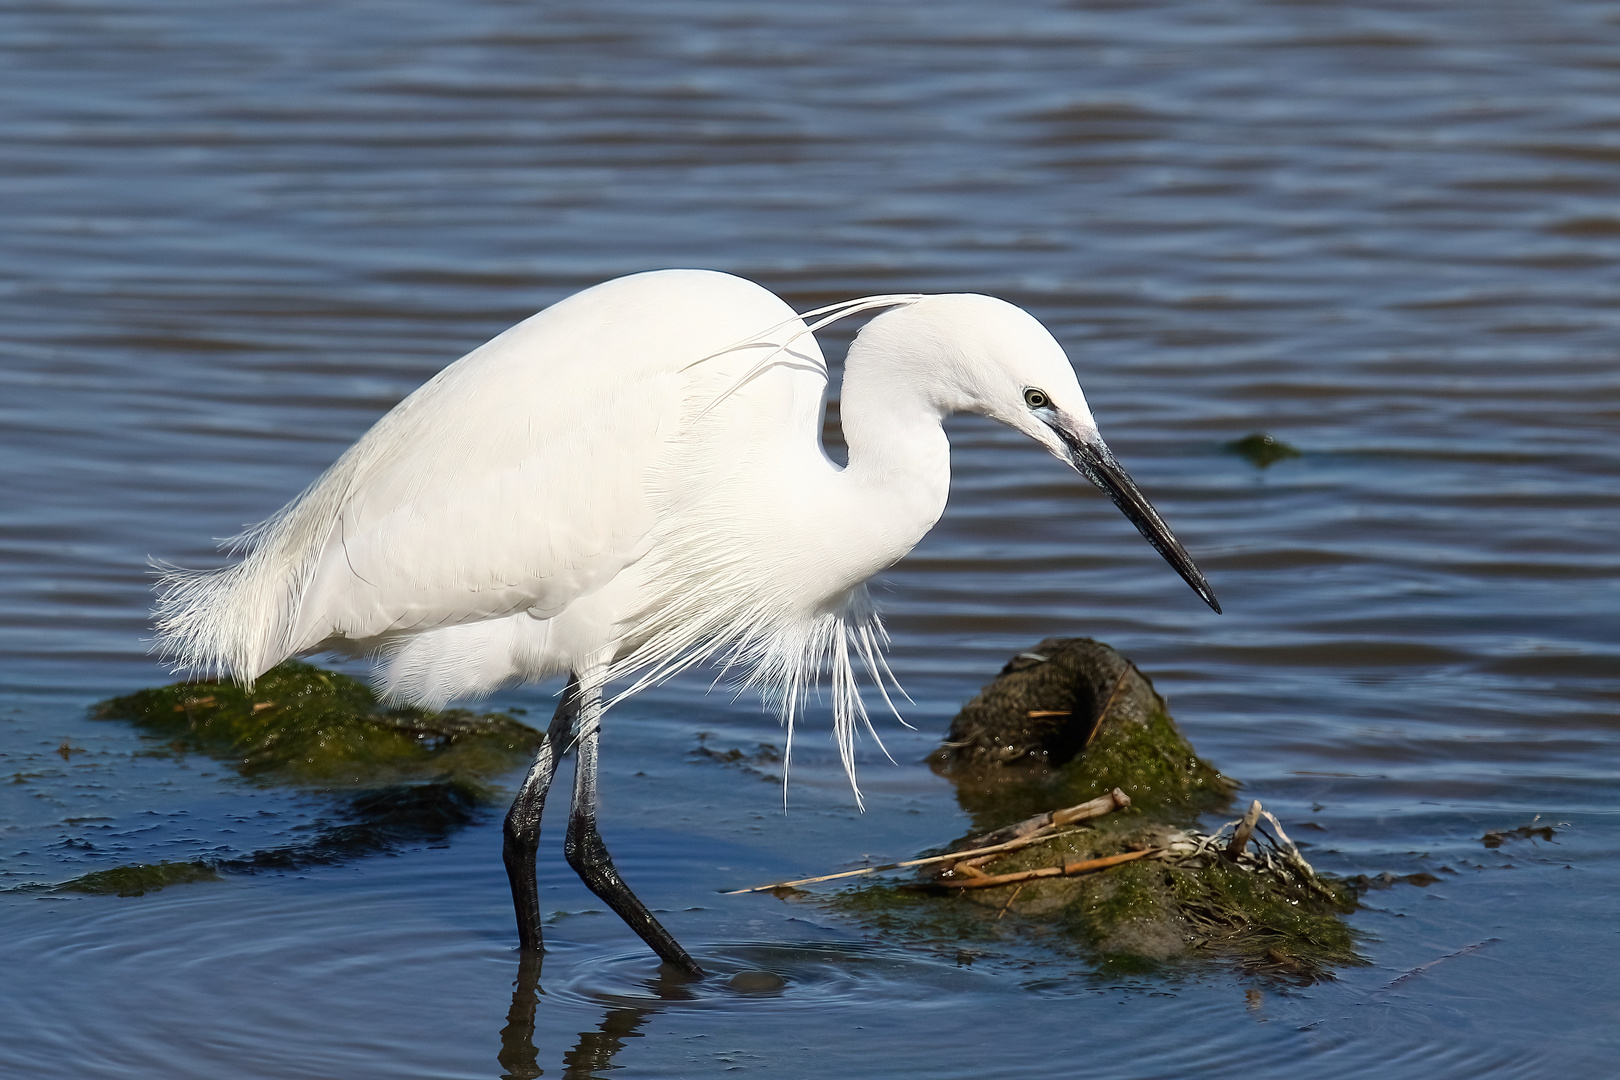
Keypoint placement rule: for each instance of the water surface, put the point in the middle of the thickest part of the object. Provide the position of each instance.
(1389, 235)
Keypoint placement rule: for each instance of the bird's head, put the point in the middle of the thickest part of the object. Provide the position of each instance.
(979, 354)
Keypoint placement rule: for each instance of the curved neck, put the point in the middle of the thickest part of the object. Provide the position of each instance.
(899, 473)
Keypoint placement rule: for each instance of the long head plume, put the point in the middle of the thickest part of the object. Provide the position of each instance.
(824, 316)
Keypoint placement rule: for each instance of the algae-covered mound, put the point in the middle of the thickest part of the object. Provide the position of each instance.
(138, 879)
(1066, 721)
(304, 725)
(1133, 889)
(1183, 898)
(394, 775)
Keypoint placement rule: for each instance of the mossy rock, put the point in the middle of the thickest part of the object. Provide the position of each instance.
(307, 726)
(1147, 914)
(1065, 722)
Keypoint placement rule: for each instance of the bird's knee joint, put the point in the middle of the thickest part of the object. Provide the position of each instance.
(522, 826)
(586, 853)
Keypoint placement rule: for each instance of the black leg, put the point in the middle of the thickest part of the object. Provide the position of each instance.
(589, 857)
(521, 833)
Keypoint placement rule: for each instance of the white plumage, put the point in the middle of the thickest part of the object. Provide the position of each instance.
(625, 484)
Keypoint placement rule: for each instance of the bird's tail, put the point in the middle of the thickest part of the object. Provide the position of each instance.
(238, 621)
(218, 623)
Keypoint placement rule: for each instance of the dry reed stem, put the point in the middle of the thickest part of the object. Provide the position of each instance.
(1011, 845)
(1245, 829)
(1031, 831)
(1010, 900)
(1066, 870)
(1052, 819)
(1109, 704)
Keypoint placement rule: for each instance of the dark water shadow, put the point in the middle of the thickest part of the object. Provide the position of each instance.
(378, 821)
(593, 1052)
(393, 776)
(518, 1057)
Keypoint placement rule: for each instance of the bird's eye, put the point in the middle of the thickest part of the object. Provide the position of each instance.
(1036, 399)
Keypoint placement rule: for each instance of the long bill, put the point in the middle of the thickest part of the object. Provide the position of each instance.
(1092, 458)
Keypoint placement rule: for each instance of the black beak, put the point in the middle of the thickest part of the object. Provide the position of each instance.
(1097, 463)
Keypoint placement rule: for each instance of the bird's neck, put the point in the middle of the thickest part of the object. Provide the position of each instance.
(899, 472)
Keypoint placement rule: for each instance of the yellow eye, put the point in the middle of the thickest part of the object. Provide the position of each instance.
(1036, 399)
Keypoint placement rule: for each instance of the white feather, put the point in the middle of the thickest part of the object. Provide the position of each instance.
(463, 537)
(627, 484)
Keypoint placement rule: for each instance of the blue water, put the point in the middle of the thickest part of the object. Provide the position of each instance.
(235, 236)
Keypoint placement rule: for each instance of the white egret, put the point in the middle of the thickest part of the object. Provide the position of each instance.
(629, 483)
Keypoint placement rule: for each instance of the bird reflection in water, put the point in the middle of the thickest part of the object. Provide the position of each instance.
(593, 1053)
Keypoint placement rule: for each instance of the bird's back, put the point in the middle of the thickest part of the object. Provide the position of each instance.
(523, 477)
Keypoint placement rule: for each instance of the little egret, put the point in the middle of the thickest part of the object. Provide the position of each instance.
(624, 485)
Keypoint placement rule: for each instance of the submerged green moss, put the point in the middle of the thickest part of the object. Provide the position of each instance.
(395, 775)
(370, 821)
(140, 878)
(307, 726)
(1134, 918)
(1262, 450)
(1148, 913)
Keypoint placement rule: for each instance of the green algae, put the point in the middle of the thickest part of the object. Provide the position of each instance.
(393, 776)
(1141, 750)
(1262, 450)
(139, 879)
(306, 726)
(1152, 913)
(1065, 722)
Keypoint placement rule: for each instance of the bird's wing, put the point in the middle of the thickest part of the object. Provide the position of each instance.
(520, 478)
(500, 495)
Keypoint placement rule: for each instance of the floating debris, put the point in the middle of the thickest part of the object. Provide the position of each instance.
(1532, 831)
(1388, 880)
(764, 761)
(1262, 450)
